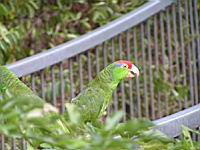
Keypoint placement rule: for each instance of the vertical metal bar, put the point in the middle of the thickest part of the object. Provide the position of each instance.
(80, 68)
(139, 113)
(104, 54)
(176, 50)
(150, 70)
(122, 83)
(89, 65)
(193, 53)
(189, 53)
(163, 58)
(2, 144)
(113, 49)
(193, 136)
(120, 45)
(157, 60)
(97, 59)
(146, 105)
(13, 144)
(113, 59)
(196, 19)
(182, 50)
(71, 79)
(23, 143)
(33, 82)
(130, 81)
(169, 46)
(53, 86)
(62, 88)
(198, 137)
(128, 45)
(42, 84)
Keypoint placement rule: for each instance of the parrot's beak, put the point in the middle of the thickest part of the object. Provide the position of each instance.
(134, 71)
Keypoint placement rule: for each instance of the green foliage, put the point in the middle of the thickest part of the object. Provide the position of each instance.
(13, 28)
(22, 118)
(28, 26)
(8, 40)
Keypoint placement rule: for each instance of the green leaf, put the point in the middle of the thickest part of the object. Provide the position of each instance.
(71, 36)
(187, 138)
(86, 24)
(73, 113)
(45, 145)
(113, 121)
(3, 10)
(133, 127)
(34, 4)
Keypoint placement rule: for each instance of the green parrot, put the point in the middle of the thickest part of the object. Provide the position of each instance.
(9, 81)
(24, 103)
(95, 98)
(11, 86)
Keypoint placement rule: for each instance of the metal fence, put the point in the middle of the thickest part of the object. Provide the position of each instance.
(161, 37)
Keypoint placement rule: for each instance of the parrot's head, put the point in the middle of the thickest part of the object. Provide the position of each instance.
(124, 69)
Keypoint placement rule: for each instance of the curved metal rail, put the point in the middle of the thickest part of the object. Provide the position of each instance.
(171, 125)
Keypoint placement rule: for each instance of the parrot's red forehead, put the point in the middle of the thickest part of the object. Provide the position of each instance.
(125, 62)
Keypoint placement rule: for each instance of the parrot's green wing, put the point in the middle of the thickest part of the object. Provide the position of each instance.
(11, 86)
(96, 97)
(89, 102)
(24, 101)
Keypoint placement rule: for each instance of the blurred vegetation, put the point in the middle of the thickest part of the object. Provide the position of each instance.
(20, 118)
(29, 26)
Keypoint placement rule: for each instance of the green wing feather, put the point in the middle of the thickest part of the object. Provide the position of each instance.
(89, 102)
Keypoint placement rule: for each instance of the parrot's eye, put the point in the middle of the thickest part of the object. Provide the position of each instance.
(125, 66)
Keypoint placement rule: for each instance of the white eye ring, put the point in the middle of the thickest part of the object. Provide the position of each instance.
(125, 66)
